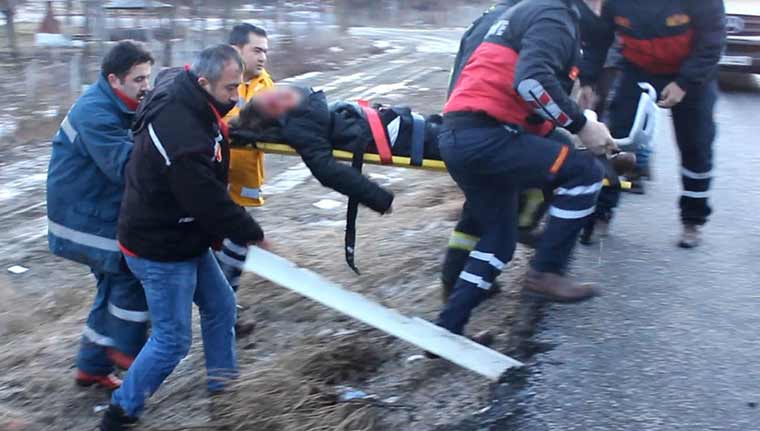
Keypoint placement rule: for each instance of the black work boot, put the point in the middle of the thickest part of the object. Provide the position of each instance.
(244, 327)
(115, 419)
(484, 338)
(637, 178)
(637, 187)
(528, 236)
(597, 227)
(690, 237)
(555, 287)
(453, 264)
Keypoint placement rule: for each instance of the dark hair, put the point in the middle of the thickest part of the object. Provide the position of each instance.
(239, 34)
(211, 61)
(123, 56)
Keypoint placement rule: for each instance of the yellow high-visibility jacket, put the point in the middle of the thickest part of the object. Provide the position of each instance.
(247, 164)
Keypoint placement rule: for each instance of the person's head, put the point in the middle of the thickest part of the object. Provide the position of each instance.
(253, 44)
(127, 67)
(219, 70)
(267, 106)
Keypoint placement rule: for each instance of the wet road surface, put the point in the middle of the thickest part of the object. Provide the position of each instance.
(673, 342)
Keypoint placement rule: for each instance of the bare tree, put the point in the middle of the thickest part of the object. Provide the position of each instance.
(226, 13)
(8, 7)
(69, 12)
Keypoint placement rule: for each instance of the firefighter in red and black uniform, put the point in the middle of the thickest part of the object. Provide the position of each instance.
(467, 231)
(674, 45)
(511, 93)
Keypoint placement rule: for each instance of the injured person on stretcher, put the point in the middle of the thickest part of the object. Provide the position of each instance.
(303, 119)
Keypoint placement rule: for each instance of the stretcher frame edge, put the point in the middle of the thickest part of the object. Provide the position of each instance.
(419, 332)
(374, 159)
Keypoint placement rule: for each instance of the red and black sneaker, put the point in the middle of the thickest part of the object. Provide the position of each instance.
(109, 382)
(120, 360)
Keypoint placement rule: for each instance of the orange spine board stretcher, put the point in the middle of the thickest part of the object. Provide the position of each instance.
(374, 159)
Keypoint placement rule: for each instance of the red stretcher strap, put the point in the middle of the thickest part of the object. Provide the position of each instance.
(378, 133)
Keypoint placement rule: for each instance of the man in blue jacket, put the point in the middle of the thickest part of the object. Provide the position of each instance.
(675, 46)
(84, 191)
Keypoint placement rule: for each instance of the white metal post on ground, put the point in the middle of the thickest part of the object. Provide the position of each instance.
(417, 331)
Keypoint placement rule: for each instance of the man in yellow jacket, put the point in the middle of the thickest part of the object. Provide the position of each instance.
(246, 174)
(247, 164)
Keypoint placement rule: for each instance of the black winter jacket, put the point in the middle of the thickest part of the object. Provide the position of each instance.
(176, 202)
(315, 129)
(474, 36)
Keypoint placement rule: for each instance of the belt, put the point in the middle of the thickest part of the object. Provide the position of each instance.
(474, 120)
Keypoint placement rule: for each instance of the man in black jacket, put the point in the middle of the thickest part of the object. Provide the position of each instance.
(175, 206)
(675, 46)
(508, 97)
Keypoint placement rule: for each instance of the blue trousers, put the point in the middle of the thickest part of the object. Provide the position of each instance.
(467, 231)
(171, 288)
(491, 166)
(695, 132)
(118, 320)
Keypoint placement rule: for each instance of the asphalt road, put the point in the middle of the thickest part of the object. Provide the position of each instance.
(673, 342)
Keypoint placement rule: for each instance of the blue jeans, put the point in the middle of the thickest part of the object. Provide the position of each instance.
(118, 320)
(171, 288)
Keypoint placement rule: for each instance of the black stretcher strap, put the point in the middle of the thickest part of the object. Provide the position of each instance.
(353, 208)
(418, 140)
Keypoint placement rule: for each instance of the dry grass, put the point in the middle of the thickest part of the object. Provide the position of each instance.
(300, 393)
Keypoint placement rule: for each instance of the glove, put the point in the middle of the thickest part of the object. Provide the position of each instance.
(596, 137)
(587, 97)
(243, 137)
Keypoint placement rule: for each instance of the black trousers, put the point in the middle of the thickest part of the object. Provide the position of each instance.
(492, 166)
(695, 132)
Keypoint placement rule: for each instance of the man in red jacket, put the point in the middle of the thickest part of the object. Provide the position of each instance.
(511, 93)
(675, 46)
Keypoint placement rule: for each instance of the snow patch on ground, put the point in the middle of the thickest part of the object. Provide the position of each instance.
(287, 180)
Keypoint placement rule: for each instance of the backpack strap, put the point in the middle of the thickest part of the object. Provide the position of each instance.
(357, 162)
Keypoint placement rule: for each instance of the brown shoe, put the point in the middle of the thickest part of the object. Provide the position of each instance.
(244, 328)
(690, 237)
(556, 288)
